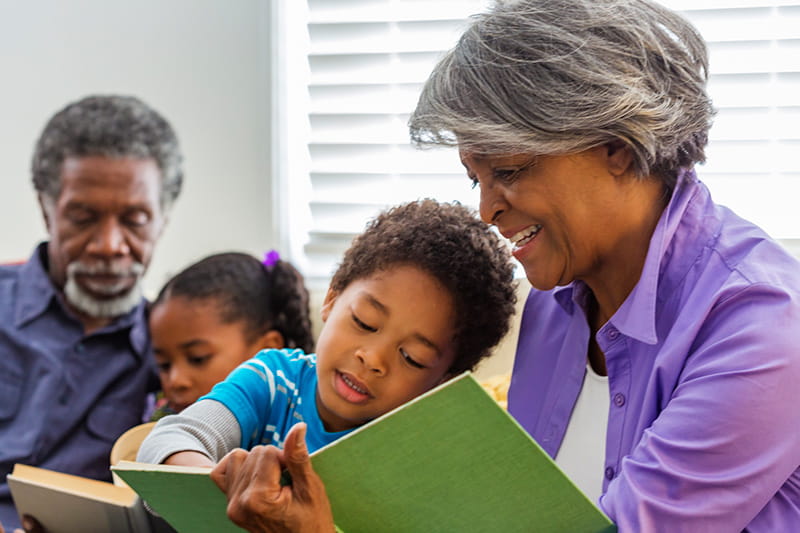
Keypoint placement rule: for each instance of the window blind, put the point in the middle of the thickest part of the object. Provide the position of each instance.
(366, 62)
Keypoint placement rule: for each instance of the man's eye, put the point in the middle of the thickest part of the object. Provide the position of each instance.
(363, 325)
(137, 219)
(81, 218)
(410, 360)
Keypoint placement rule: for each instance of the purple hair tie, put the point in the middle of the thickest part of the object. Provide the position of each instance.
(270, 258)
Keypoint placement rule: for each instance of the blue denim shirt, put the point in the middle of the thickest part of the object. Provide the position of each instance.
(65, 396)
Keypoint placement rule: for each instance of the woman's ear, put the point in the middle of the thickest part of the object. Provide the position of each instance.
(327, 304)
(619, 158)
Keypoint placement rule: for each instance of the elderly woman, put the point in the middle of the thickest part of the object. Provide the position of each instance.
(659, 353)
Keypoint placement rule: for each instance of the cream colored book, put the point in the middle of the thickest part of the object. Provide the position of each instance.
(64, 503)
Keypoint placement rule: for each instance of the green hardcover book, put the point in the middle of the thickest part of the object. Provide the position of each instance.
(450, 460)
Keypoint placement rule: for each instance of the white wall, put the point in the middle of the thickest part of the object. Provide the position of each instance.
(204, 64)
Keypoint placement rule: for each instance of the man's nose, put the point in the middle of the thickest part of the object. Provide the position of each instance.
(109, 239)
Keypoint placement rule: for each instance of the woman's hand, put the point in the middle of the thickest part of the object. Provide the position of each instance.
(259, 503)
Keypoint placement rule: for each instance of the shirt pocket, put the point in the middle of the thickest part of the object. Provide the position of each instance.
(108, 422)
(10, 393)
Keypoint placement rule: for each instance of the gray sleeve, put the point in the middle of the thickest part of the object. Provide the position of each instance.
(207, 427)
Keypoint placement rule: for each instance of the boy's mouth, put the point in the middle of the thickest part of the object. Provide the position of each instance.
(350, 388)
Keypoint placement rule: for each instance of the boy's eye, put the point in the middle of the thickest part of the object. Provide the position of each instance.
(163, 367)
(410, 360)
(363, 325)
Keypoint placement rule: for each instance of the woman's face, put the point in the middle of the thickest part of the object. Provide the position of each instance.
(564, 215)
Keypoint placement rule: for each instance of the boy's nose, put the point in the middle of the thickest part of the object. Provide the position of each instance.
(372, 360)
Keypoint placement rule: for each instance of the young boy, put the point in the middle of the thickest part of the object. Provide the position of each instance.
(422, 295)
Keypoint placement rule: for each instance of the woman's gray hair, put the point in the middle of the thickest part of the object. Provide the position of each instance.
(562, 76)
(110, 126)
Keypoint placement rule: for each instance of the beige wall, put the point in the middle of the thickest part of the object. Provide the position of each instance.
(500, 362)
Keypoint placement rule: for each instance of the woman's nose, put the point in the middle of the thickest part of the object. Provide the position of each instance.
(492, 203)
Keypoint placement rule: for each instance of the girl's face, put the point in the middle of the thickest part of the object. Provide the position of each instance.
(194, 349)
(386, 339)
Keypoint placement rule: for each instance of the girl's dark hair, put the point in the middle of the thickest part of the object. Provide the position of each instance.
(461, 252)
(264, 298)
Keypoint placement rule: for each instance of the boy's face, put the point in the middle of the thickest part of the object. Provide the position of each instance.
(195, 350)
(387, 339)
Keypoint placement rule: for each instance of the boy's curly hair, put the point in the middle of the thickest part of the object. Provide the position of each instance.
(263, 298)
(448, 241)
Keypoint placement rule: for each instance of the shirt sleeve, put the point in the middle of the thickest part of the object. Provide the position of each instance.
(249, 393)
(727, 438)
(207, 427)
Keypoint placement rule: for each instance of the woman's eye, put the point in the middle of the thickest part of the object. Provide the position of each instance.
(474, 181)
(506, 176)
(363, 325)
(410, 360)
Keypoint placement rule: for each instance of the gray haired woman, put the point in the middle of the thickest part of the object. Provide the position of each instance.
(659, 350)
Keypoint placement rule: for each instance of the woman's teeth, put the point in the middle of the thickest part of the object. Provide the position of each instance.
(525, 236)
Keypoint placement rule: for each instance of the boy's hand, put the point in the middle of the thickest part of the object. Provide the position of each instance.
(259, 503)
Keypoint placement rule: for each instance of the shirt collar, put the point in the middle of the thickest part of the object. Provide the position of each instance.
(37, 292)
(636, 317)
(35, 288)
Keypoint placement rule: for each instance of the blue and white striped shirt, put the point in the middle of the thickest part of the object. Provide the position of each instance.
(272, 392)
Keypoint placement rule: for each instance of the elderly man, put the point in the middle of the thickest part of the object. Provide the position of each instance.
(75, 361)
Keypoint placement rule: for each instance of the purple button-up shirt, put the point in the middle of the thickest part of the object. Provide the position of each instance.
(703, 363)
(65, 397)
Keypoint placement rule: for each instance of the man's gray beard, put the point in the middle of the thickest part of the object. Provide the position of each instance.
(106, 308)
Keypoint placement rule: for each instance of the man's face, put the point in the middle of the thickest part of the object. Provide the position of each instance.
(103, 227)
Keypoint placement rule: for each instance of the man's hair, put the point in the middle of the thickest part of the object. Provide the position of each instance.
(462, 253)
(109, 126)
(563, 76)
(244, 290)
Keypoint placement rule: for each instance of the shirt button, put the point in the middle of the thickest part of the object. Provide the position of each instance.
(609, 473)
(619, 399)
(612, 334)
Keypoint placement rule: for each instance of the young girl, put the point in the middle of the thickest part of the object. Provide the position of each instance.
(423, 294)
(218, 313)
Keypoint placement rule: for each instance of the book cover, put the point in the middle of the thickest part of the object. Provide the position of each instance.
(449, 460)
(63, 503)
